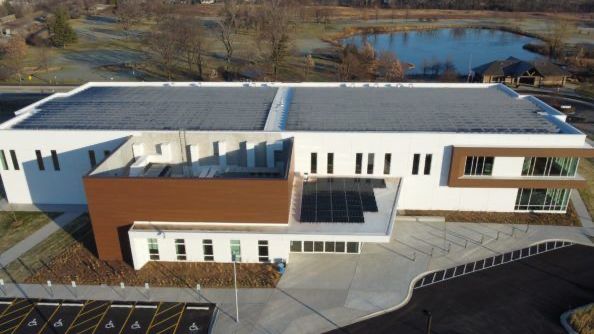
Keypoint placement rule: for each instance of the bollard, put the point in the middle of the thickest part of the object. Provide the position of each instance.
(51, 290)
(74, 291)
(148, 291)
(465, 243)
(2, 287)
(497, 237)
(414, 256)
(482, 238)
(198, 291)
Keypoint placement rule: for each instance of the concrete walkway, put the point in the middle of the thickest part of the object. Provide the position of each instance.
(582, 211)
(321, 292)
(36, 237)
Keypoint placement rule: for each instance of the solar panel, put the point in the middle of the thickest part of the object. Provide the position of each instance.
(156, 108)
(338, 200)
(472, 110)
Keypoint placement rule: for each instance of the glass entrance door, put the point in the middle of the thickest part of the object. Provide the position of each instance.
(235, 251)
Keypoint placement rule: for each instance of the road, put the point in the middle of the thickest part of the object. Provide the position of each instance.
(526, 296)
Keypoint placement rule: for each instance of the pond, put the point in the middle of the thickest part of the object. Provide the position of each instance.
(460, 46)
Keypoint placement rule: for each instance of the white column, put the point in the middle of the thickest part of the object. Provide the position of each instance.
(251, 154)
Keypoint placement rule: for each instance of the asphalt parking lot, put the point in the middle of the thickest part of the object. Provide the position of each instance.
(27, 316)
(524, 296)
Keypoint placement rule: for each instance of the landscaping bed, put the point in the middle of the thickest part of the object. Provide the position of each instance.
(69, 255)
(568, 219)
(16, 226)
(582, 320)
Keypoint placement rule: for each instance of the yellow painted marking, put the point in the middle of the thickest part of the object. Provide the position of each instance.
(166, 329)
(48, 320)
(179, 319)
(126, 321)
(87, 320)
(103, 316)
(162, 321)
(22, 308)
(77, 315)
(6, 309)
(167, 309)
(94, 309)
(20, 322)
(153, 319)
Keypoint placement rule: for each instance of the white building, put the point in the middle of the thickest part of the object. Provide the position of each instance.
(198, 171)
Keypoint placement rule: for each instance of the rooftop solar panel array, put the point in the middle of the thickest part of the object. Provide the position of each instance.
(156, 108)
(483, 110)
(338, 200)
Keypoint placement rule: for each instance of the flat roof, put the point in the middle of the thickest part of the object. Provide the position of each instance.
(155, 108)
(487, 110)
(332, 107)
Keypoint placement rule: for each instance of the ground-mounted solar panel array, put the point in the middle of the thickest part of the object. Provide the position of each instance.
(338, 200)
(473, 110)
(156, 108)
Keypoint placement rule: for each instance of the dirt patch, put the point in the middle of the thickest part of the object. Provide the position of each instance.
(582, 320)
(69, 256)
(568, 219)
(78, 264)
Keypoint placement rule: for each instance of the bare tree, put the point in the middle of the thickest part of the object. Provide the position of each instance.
(275, 33)
(13, 56)
(309, 65)
(129, 12)
(389, 67)
(228, 27)
(560, 32)
(189, 37)
(161, 41)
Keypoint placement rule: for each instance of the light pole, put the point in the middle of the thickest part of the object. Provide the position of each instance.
(235, 284)
(429, 316)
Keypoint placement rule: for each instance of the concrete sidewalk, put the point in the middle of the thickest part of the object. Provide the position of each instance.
(36, 237)
(320, 292)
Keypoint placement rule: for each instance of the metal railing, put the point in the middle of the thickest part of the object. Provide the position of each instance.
(490, 262)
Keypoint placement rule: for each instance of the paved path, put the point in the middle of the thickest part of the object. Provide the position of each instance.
(321, 292)
(36, 237)
(526, 296)
(582, 211)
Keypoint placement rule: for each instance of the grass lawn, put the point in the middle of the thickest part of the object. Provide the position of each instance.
(69, 255)
(586, 170)
(582, 320)
(16, 226)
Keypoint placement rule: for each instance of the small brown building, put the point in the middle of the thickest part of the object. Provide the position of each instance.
(514, 71)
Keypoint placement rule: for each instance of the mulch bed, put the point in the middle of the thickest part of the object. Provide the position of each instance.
(568, 219)
(79, 264)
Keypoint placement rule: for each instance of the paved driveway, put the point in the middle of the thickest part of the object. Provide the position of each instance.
(526, 296)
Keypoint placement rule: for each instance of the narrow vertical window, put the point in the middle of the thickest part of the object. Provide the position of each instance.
(153, 247)
(263, 251)
(180, 249)
(415, 167)
(370, 158)
(15, 161)
(55, 160)
(387, 163)
(427, 168)
(235, 251)
(358, 163)
(92, 158)
(106, 153)
(207, 250)
(330, 164)
(3, 160)
(40, 164)
(314, 163)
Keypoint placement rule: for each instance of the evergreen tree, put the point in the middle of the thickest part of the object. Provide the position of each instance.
(60, 30)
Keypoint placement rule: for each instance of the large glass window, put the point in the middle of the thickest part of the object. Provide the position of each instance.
(208, 250)
(296, 246)
(153, 247)
(542, 199)
(325, 247)
(263, 251)
(479, 166)
(235, 251)
(552, 166)
(358, 163)
(180, 249)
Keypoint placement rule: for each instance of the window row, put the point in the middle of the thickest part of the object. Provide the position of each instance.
(542, 199)
(370, 167)
(479, 166)
(40, 162)
(325, 247)
(207, 250)
(543, 166)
